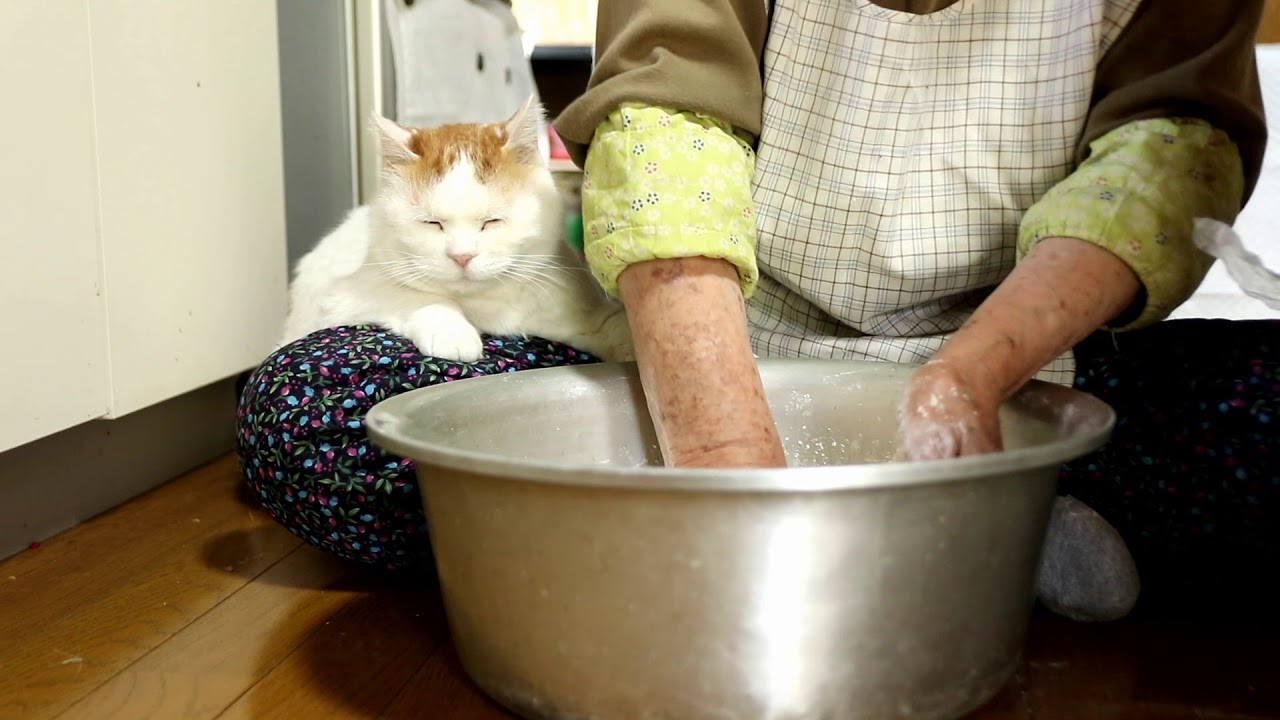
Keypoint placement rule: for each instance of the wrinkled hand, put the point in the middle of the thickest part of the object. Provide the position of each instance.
(944, 416)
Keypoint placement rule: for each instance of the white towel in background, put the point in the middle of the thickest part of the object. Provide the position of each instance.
(1257, 228)
(1244, 267)
(457, 61)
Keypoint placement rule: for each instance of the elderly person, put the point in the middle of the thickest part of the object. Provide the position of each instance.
(977, 186)
(997, 189)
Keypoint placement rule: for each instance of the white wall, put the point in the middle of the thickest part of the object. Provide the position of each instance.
(142, 239)
(53, 335)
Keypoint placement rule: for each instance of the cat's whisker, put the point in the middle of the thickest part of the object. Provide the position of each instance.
(408, 263)
(521, 267)
(546, 294)
(552, 259)
(398, 267)
(407, 274)
(533, 282)
(413, 279)
(538, 256)
(560, 268)
(540, 275)
(541, 290)
(396, 274)
(521, 264)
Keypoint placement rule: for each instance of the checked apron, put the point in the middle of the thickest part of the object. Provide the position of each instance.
(898, 155)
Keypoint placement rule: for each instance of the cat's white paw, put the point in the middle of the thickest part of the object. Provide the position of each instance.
(613, 341)
(443, 332)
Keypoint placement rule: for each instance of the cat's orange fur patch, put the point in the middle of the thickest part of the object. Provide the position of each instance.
(439, 149)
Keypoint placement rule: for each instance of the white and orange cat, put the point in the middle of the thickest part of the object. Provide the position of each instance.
(465, 238)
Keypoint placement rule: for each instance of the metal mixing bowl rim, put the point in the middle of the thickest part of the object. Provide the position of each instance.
(384, 427)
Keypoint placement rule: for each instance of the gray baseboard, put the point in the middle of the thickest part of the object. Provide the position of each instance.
(57, 482)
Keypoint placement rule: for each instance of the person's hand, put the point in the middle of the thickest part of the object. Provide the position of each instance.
(1060, 292)
(943, 415)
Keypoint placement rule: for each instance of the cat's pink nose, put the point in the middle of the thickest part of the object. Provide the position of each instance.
(462, 259)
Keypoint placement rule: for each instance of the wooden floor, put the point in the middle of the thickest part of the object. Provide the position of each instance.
(190, 603)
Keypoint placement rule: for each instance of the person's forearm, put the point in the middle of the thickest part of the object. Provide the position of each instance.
(1062, 291)
(688, 325)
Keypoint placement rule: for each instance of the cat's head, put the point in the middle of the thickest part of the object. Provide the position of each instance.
(468, 203)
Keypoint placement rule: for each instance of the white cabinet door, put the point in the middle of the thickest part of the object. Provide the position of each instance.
(53, 338)
(188, 126)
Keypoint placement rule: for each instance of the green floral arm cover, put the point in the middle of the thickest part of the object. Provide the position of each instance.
(1138, 195)
(662, 184)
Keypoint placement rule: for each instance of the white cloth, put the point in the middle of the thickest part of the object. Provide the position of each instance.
(1220, 295)
(1244, 267)
(898, 156)
(457, 61)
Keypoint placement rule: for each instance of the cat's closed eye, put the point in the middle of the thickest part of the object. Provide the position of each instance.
(435, 224)
(491, 224)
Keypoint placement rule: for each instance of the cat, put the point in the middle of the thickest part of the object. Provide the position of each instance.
(465, 238)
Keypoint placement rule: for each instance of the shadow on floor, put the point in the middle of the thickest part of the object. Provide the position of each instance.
(356, 661)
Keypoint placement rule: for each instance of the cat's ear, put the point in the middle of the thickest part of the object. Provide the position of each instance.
(524, 132)
(395, 141)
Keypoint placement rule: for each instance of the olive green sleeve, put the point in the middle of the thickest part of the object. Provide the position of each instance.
(1176, 131)
(1138, 195)
(698, 56)
(1185, 59)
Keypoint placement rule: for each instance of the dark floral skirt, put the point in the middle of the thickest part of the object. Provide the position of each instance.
(1193, 469)
(1194, 465)
(304, 452)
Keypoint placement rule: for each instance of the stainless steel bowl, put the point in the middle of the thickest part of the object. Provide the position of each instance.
(584, 581)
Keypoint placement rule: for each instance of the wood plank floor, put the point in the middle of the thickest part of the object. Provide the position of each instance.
(190, 603)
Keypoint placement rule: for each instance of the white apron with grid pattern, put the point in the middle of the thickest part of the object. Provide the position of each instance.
(898, 155)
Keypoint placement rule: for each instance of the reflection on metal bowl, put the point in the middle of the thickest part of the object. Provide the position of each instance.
(582, 580)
